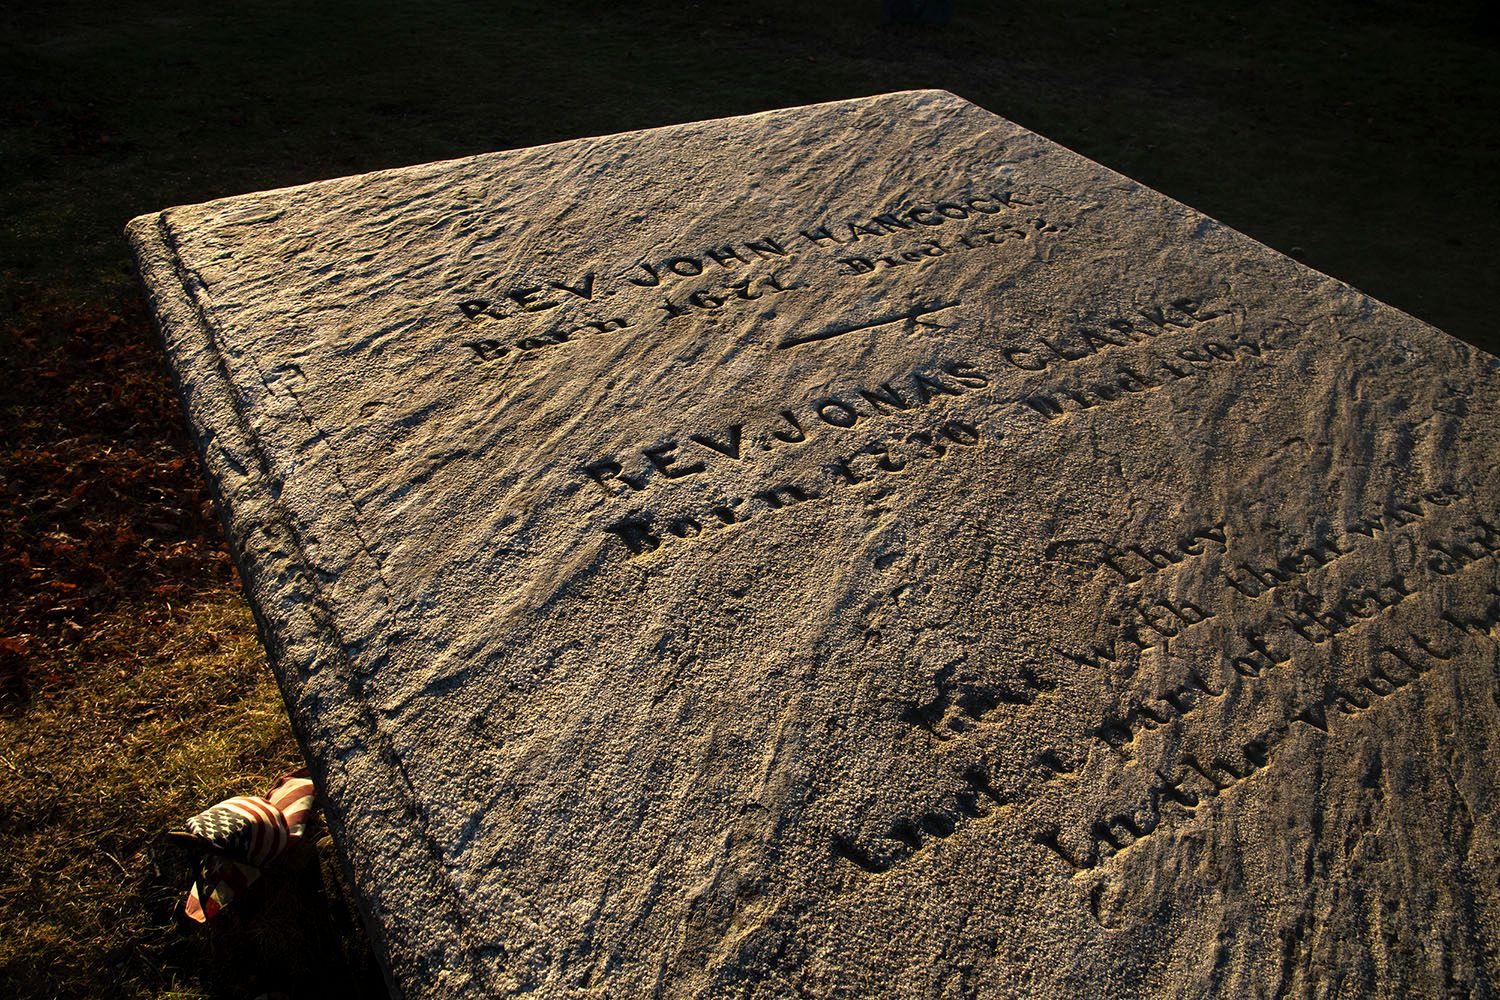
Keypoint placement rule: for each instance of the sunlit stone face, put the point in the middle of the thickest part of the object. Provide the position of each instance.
(858, 550)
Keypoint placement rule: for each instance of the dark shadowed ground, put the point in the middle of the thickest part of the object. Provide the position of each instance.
(1361, 137)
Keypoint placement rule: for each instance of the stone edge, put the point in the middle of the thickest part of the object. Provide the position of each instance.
(351, 761)
(933, 93)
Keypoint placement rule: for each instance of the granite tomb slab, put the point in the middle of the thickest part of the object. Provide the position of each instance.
(862, 550)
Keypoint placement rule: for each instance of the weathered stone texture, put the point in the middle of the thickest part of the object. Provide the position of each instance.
(850, 551)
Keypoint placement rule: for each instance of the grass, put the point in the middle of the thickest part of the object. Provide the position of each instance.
(1361, 137)
(133, 691)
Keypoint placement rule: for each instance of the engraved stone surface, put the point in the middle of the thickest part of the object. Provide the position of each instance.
(851, 551)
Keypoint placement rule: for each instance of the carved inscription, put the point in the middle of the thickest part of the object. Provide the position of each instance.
(738, 445)
(731, 273)
(646, 533)
(1038, 353)
(913, 315)
(1254, 580)
(1316, 623)
(976, 800)
(1251, 578)
(959, 707)
(1175, 797)
(871, 430)
(964, 705)
(530, 298)
(732, 294)
(1135, 563)
(1149, 371)
(727, 257)
(973, 239)
(490, 349)
(889, 456)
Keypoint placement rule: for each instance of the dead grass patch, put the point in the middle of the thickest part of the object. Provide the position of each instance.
(133, 691)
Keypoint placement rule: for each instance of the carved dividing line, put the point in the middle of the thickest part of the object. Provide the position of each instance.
(794, 340)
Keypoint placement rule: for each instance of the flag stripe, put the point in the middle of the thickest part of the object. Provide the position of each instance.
(246, 833)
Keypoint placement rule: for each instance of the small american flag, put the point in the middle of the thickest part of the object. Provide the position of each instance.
(240, 836)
